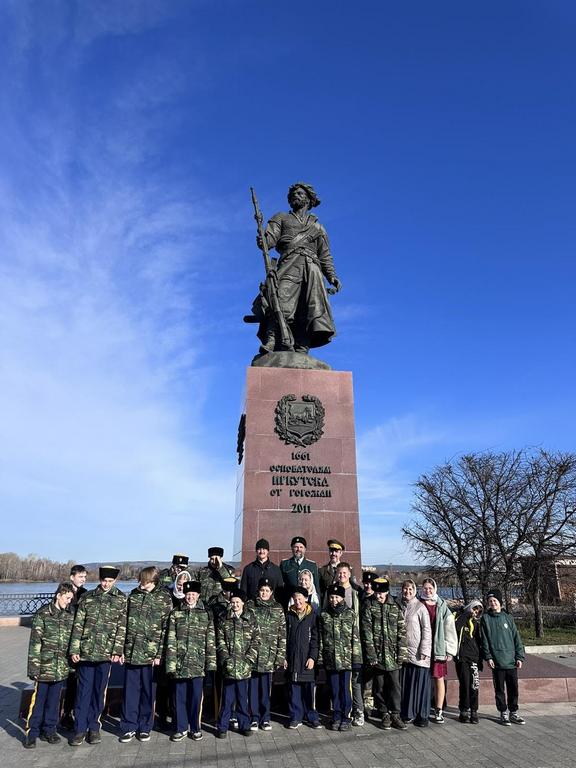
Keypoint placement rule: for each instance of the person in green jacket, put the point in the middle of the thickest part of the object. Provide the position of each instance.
(383, 633)
(213, 574)
(340, 652)
(149, 606)
(190, 654)
(97, 642)
(48, 665)
(237, 643)
(271, 652)
(502, 648)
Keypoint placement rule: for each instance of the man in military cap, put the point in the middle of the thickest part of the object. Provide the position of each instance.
(167, 576)
(210, 577)
(97, 641)
(292, 566)
(327, 573)
(261, 568)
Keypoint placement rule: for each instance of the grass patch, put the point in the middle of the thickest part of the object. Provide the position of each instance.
(552, 636)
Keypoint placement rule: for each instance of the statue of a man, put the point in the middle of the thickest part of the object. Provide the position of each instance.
(304, 263)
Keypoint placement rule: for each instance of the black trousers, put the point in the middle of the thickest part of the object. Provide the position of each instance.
(506, 687)
(469, 683)
(386, 691)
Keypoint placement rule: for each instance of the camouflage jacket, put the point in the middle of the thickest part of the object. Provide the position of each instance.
(191, 642)
(146, 625)
(237, 642)
(49, 639)
(165, 578)
(272, 627)
(218, 606)
(100, 625)
(383, 634)
(339, 638)
(211, 580)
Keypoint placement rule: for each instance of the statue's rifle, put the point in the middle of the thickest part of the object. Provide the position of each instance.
(270, 284)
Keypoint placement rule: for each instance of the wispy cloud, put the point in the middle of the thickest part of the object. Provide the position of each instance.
(97, 288)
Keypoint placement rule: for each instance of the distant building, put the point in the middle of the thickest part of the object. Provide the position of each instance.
(558, 578)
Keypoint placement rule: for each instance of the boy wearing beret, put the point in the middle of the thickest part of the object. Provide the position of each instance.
(383, 633)
(149, 606)
(97, 641)
(237, 643)
(190, 654)
(48, 665)
(340, 652)
(271, 652)
(502, 648)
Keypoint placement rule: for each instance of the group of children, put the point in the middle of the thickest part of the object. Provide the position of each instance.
(170, 638)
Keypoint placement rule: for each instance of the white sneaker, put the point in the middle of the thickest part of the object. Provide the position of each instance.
(504, 719)
(517, 719)
(438, 717)
(358, 721)
(254, 725)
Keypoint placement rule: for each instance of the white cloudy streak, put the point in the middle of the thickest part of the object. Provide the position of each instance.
(97, 340)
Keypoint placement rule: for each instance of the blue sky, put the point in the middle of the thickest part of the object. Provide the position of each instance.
(440, 137)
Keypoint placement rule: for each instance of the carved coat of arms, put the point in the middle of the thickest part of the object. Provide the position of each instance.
(299, 421)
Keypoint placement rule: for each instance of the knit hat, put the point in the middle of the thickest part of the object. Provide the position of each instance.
(262, 544)
(497, 593)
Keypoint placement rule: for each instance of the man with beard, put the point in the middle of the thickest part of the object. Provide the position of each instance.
(327, 573)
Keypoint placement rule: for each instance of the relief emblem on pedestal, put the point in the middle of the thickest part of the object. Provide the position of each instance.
(299, 421)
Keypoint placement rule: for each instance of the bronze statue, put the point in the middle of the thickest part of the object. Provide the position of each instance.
(292, 308)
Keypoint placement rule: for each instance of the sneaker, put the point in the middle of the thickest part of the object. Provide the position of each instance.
(358, 721)
(345, 726)
(398, 723)
(334, 725)
(143, 736)
(437, 717)
(463, 717)
(94, 737)
(293, 724)
(178, 736)
(504, 719)
(517, 719)
(221, 734)
(254, 725)
(29, 743)
(474, 717)
(51, 738)
(386, 722)
(233, 723)
(246, 732)
(127, 737)
(265, 726)
(76, 740)
(316, 724)
(196, 736)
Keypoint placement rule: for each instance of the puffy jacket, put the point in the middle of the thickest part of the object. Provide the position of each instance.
(301, 644)
(99, 627)
(190, 642)
(237, 642)
(501, 641)
(339, 638)
(48, 647)
(445, 640)
(383, 634)
(146, 625)
(418, 633)
(272, 627)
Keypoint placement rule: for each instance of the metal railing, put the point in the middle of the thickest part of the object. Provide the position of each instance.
(23, 603)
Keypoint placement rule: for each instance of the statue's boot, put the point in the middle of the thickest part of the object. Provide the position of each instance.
(269, 343)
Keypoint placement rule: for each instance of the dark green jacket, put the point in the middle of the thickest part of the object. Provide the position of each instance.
(49, 640)
(100, 625)
(500, 640)
(339, 638)
(290, 570)
(191, 642)
(237, 642)
(146, 625)
(272, 627)
(383, 634)
(211, 580)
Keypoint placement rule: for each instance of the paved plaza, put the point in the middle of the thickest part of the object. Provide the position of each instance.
(548, 740)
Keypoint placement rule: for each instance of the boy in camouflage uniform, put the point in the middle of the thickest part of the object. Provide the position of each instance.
(149, 606)
(271, 652)
(237, 641)
(48, 665)
(190, 653)
(211, 576)
(340, 652)
(167, 576)
(97, 641)
(383, 634)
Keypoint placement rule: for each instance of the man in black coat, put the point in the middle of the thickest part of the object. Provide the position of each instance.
(301, 657)
(261, 568)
